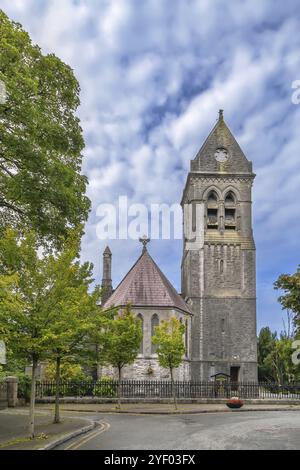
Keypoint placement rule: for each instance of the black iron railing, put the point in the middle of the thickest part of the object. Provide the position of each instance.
(163, 389)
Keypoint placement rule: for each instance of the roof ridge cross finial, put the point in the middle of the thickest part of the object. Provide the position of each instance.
(144, 240)
(221, 112)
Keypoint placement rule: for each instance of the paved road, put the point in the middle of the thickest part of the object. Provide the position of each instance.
(247, 430)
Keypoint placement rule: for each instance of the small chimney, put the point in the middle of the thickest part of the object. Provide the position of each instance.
(106, 279)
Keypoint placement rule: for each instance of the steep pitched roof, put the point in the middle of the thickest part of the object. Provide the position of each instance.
(221, 137)
(146, 286)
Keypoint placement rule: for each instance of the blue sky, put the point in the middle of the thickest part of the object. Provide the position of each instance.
(153, 75)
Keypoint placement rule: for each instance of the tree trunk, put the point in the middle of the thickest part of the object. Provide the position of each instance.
(57, 386)
(97, 375)
(173, 388)
(119, 388)
(32, 398)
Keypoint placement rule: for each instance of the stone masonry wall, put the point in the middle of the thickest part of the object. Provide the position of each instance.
(147, 360)
(141, 368)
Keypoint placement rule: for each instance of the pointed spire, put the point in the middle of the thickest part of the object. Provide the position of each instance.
(107, 251)
(219, 138)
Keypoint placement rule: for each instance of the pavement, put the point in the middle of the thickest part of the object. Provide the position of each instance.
(13, 428)
(158, 408)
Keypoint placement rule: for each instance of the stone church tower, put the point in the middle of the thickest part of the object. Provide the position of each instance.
(218, 264)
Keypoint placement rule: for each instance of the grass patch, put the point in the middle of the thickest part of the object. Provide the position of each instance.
(23, 440)
(20, 440)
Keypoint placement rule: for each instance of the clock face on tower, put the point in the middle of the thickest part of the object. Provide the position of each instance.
(221, 155)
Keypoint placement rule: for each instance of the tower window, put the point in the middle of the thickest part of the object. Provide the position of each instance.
(230, 199)
(212, 198)
(230, 212)
(212, 218)
(212, 211)
(230, 219)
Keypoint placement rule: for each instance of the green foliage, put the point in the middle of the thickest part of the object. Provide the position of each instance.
(68, 372)
(290, 300)
(24, 382)
(170, 344)
(104, 387)
(52, 314)
(275, 353)
(24, 323)
(265, 345)
(50, 310)
(41, 141)
(123, 339)
(74, 388)
(97, 341)
(275, 358)
(279, 362)
(15, 367)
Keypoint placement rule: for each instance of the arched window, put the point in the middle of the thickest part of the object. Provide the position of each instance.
(230, 211)
(230, 199)
(212, 211)
(154, 324)
(221, 266)
(212, 198)
(223, 325)
(140, 317)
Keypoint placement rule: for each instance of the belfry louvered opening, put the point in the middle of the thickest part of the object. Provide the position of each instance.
(212, 211)
(230, 211)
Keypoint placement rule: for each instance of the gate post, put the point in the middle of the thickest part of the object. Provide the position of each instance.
(12, 391)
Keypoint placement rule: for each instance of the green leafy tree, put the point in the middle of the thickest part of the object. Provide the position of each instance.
(265, 345)
(74, 311)
(69, 372)
(41, 187)
(290, 299)
(275, 357)
(70, 334)
(279, 361)
(51, 312)
(170, 347)
(94, 353)
(124, 337)
(24, 324)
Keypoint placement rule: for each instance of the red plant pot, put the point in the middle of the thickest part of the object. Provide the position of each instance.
(234, 403)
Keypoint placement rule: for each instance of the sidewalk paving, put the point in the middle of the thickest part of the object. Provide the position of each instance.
(158, 408)
(13, 428)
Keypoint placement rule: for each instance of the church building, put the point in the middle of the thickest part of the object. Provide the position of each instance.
(152, 299)
(217, 303)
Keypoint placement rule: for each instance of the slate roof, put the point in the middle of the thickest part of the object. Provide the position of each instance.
(146, 286)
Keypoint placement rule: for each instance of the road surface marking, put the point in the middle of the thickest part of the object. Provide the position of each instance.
(75, 445)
